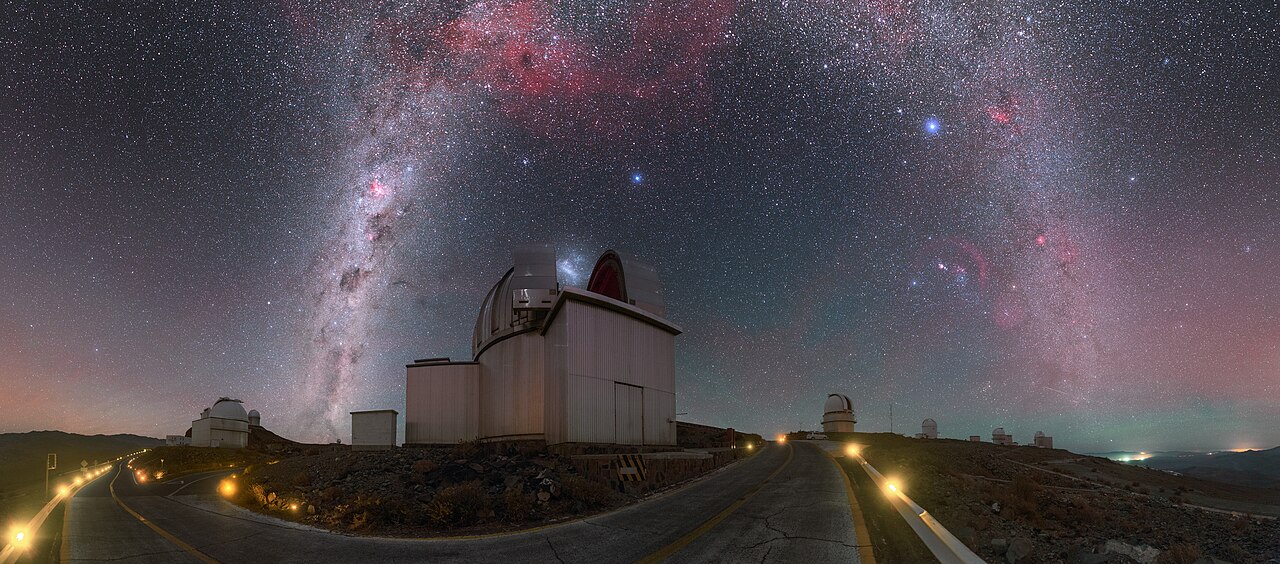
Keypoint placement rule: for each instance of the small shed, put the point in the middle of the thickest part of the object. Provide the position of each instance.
(374, 430)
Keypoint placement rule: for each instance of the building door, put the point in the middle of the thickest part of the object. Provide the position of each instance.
(628, 414)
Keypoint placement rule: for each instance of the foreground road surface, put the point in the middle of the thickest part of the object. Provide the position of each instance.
(788, 503)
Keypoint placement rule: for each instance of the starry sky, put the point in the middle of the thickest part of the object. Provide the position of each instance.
(1042, 217)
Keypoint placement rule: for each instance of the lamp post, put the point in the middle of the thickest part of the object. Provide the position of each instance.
(50, 463)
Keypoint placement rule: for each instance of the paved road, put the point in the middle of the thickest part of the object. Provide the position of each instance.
(788, 503)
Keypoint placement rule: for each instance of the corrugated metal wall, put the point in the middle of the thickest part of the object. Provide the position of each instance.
(512, 387)
(590, 410)
(628, 414)
(442, 403)
(659, 417)
(556, 390)
(600, 348)
(373, 429)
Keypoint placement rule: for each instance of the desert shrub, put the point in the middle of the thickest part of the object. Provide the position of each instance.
(424, 466)
(463, 504)
(1025, 488)
(588, 492)
(1179, 554)
(1240, 524)
(466, 449)
(1085, 512)
(301, 479)
(516, 505)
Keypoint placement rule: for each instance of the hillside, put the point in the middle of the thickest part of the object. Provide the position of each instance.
(1259, 468)
(1066, 507)
(22, 459)
(24, 453)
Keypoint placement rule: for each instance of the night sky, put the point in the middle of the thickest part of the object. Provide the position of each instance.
(1058, 218)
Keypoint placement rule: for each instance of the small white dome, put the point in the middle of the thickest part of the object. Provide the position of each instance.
(998, 431)
(227, 408)
(254, 413)
(1039, 434)
(837, 402)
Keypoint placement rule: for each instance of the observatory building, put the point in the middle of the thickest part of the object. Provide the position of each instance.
(225, 425)
(998, 436)
(928, 429)
(1043, 441)
(837, 414)
(555, 363)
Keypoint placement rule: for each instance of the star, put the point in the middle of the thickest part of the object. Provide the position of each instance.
(932, 126)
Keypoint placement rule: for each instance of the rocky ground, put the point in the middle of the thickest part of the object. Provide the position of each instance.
(1022, 504)
(423, 491)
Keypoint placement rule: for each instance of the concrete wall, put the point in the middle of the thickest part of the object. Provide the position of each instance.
(442, 403)
(661, 469)
(373, 430)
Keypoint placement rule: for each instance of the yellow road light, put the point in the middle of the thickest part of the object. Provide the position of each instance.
(893, 487)
(852, 450)
(18, 537)
(782, 438)
(293, 506)
(63, 490)
(227, 488)
(78, 480)
(750, 446)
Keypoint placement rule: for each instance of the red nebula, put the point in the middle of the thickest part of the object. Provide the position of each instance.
(377, 189)
(999, 115)
(1040, 240)
(560, 85)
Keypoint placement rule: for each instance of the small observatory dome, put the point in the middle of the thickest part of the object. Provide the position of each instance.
(227, 408)
(837, 414)
(998, 431)
(1039, 434)
(929, 429)
(255, 418)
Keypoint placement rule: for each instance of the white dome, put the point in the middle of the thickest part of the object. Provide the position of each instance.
(1039, 434)
(998, 431)
(837, 402)
(254, 413)
(227, 408)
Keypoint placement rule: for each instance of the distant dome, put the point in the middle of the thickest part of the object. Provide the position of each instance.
(837, 402)
(254, 413)
(227, 408)
(930, 422)
(998, 431)
(1039, 434)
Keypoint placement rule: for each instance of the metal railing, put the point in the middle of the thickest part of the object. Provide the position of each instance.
(20, 539)
(944, 546)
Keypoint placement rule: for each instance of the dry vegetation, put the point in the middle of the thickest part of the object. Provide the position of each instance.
(423, 492)
(1069, 507)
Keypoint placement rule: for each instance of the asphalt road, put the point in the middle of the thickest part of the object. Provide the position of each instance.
(787, 503)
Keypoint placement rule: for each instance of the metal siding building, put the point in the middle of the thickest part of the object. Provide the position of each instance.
(556, 364)
(374, 430)
(445, 397)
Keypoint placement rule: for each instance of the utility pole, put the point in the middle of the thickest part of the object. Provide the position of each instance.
(891, 417)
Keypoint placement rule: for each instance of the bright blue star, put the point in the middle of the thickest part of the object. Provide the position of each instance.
(637, 178)
(933, 126)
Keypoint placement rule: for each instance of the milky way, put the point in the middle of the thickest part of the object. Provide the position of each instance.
(1041, 217)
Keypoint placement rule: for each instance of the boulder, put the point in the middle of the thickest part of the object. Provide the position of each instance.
(1143, 554)
(1019, 550)
(311, 510)
(999, 545)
